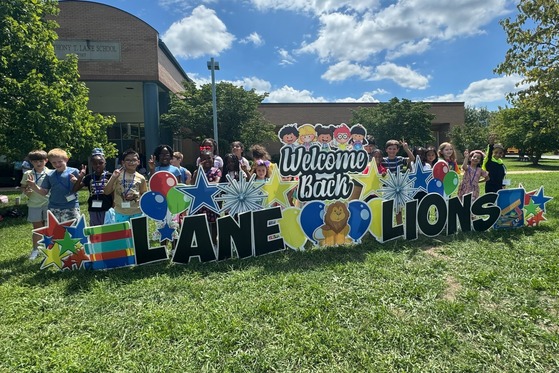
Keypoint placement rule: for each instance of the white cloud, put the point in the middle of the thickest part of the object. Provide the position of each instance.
(315, 6)
(290, 94)
(366, 97)
(402, 28)
(483, 91)
(183, 4)
(259, 85)
(286, 58)
(344, 70)
(403, 76)
(253, 38)
(200, 34)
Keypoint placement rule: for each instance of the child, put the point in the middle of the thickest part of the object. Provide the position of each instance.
(393, 161)
(63, 201)
(493, 164)
(98, 202)
(431, 156)
(325, 136)
(231, 167)
(262, 170)
(127, 186)
(289, 135)
(176, 161)
(473, 174)
(163, 154)
(213, 175)
(238, 149)
(421, 159)
(446, 152)
(211, 145)
(260, 153)
(377, 155)
(37, 203)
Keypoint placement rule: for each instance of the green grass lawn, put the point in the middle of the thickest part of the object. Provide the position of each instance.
(513, 164)
(468, 302)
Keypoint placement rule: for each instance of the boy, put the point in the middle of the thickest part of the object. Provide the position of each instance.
(98, 202)
(176, 161)
(127, 185)
(393, 161)
(63, 201)
(37, 203)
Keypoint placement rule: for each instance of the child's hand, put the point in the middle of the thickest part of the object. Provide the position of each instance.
(117, 172)
(466, 153)
(151, 163)
(405, 145)
(83, 170)
(73, 178)
(30, 181)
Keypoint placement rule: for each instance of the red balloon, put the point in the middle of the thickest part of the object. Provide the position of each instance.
(440, 169)
(162, 182)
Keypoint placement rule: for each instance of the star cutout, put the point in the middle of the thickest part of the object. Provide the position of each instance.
(369, 182)
(535, 220)
(531, 208)
(79, 257)
(540, 199)
(53, 257)
(166, 232)
(241, 196)
(421, 176)
(54, 228)
(77, 230)
(527, 195)
(276, 190)
(202, 193)
(68, 262)
(67, 244)
(47, 241)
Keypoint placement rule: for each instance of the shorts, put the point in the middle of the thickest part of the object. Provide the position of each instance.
(63, 215)
(119, 218)
(96, 218)
(37, 214)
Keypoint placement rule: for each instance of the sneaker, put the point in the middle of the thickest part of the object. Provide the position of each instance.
(34, 254)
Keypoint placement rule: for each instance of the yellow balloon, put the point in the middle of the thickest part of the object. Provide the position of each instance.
(290, 228)
(375, 228)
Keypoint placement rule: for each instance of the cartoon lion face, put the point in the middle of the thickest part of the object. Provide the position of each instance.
(336, 216)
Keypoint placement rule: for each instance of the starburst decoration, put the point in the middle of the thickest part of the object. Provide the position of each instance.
(241, 195)
(399, 187)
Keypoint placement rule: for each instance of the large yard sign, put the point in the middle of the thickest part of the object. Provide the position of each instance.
(323, 192)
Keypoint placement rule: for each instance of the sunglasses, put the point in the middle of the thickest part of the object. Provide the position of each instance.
(203, 148)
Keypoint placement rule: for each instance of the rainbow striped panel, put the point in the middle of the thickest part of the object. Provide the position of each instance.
(110, 246)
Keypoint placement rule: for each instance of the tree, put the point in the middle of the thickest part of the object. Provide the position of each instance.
(190, 115)
(527, 127)
(42, 103)
(475, 131)
(397, 120)
(534, 54)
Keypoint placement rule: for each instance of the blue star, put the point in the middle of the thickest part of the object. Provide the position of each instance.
(422, 177)
(47, 241)
(202, 193)
(77, 230)
(540, 199)
(166, 233)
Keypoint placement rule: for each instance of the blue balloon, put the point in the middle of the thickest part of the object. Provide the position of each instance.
(154, 205)
(312, 217)
(359, 219)
(436, 186)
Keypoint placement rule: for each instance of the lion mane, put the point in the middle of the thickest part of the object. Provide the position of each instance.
(335, 228)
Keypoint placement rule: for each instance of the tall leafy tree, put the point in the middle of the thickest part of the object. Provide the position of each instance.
(533, 37)
(397, 119)
(42, 103)
(474, 133)
(191, 116)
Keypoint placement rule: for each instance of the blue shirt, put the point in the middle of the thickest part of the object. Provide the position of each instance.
(60, 186)
(172, 169)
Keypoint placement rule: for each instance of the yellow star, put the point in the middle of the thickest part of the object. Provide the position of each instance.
(53, 257)
(370, 182)
(277, 190)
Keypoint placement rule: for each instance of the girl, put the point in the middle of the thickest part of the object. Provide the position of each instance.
(238, 149)
(447, 153)
(496, 168)
(262, 170)
(231, 167)
(210, 144)
(163, 155)
(98, 202)
(128, 186)
(473, 174)
(431, 156)
(420, 159)
(213, 175)
(377, 155)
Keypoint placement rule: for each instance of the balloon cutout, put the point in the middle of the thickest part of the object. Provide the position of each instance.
(440, 169)
(290, 228)
(450, 182)
(177, 201)
(375, 227)
(312, 217)
(162, 182)
(435, 186)
(154, 205)
(359, 219)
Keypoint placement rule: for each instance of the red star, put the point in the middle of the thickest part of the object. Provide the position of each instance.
(68, 262)
(528, 197)
(79, 257)
(54, 229)
(539, 217)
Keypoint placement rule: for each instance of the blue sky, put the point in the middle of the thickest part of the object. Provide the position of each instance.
(340, 50)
